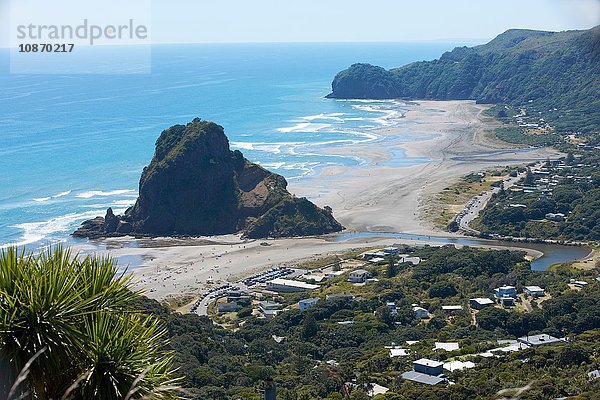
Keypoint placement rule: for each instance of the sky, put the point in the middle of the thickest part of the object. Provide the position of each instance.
(208, 21)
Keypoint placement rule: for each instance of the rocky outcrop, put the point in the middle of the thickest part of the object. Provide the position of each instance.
(195, 186)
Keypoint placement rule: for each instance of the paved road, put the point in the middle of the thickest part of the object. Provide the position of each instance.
(478, 203)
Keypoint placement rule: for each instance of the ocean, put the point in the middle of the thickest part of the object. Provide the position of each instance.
(73, 145)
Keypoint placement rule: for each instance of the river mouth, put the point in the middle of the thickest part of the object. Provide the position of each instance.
(551, 253)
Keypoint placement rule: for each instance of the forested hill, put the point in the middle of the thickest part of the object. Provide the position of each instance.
(556, 73)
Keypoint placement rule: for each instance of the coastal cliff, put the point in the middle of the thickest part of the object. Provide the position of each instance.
(554, 72)
(195, 185)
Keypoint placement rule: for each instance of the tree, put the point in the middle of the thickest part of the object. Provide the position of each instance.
(384, 314)
(529, 178)
(442, 290)
(72, 324)
(392, 269)
(309, 327)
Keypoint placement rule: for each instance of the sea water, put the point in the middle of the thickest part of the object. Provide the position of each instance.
(73, 145)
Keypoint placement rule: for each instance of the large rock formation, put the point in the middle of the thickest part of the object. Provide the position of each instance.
(195, 185)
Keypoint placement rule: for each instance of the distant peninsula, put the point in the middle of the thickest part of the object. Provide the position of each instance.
(553, 73)
(196, 186)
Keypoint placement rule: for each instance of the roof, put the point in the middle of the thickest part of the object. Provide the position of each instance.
(534, 288)
(309, 300)
(429, 363)
(360, 271)
(398, 352)
(536, 340)
(448, 346)
(291, 283)
(377, 389)
(506, 287)
(452, 308)
(419, 309)
(458, 365)
(483, 300)
(422, 378)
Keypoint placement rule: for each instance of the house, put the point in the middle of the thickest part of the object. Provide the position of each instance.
(451, 309)
(558, 217)
(420, 312)
(448, 346)
(358, 276)
(375, 389)
(429, 367)
(269, 309)
(534, 291)
(595, 374)
(227, 307)
(458, 365)
(288, 285)
(391, 250)
(307, 303)
(540, 340)
(398, 352)
(480, 303)
(506, 295)
(402, 258)
(335, 296)
(579, 284)
(368, 255)
(423, 378)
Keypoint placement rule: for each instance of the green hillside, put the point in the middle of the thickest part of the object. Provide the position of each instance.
(555, 73)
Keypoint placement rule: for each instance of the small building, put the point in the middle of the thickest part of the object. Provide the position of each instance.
(448, 346)
(288, 285)
(307, 303)
(269, 309)
(227, 307)
(479, 303)
(458, 365)
(534, 291)
(420, 312)
(451, 309)
(358, 276)
(429, 367)
(506, 295)
(391, 250)
(398, 352)
(556, 217)
(579, 284)
(540, 340)
(402, 258)
(595, 374)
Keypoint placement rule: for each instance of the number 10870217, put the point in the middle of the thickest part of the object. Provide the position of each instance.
(46, 48)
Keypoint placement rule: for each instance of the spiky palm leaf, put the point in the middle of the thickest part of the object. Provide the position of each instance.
(80, 310)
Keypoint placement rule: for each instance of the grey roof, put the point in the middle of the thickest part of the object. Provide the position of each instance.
(536, 340)
(428, 362)
(422, 378)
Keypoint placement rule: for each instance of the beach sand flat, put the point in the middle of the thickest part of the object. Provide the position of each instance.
(376, 196)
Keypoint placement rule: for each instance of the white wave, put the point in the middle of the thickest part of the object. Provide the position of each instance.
(323, 116)
(101, 193)
(275, 148)
(304, 127)
(61, 194)
(37, 231)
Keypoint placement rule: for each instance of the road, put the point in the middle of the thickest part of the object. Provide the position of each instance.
(478, 203)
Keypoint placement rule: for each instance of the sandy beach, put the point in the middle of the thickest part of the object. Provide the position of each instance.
(382, 195)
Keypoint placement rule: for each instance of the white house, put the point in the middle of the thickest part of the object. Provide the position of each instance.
(358, 276)
(307, 303)
(420, 312)
(534, 291)
(288, 285)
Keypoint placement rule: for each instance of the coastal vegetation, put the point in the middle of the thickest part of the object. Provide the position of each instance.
(563, 203)
(339, 348)
(70, 328)
(553, 74)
